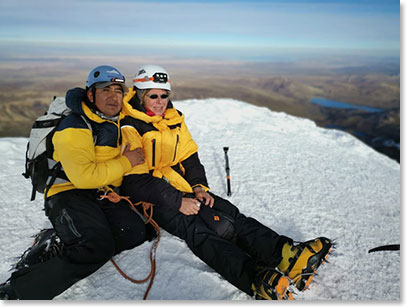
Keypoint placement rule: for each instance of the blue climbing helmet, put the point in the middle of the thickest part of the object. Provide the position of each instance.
(105, 75)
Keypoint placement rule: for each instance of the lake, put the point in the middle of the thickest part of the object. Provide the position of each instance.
(341, 105)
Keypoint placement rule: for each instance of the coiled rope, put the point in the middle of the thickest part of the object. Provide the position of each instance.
(115, 198)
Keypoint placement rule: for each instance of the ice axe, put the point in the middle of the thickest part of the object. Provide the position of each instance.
(225, 149)
(390, 247)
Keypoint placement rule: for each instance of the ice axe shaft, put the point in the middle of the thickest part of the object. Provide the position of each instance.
(225, 149)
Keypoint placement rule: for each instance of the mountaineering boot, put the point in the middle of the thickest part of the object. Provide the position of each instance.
(46, 245)
(6, 292)
(270, 284)
(301, 261)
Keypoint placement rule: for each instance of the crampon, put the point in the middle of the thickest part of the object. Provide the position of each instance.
(272, 285)
(301, 261)
(46, 245)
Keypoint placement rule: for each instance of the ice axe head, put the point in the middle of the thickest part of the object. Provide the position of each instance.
(225, 149)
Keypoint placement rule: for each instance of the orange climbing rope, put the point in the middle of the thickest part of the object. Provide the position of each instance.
(115, 198)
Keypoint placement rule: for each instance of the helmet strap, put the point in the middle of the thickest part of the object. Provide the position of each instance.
(93, 89)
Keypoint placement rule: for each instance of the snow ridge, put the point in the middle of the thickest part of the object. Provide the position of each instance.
(300, 180)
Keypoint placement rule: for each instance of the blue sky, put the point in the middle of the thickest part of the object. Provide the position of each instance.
(201, 28)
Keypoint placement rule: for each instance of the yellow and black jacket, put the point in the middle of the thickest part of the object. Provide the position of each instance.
(171, 153)
(89, 150)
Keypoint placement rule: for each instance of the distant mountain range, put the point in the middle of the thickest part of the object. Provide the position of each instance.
(26, 88)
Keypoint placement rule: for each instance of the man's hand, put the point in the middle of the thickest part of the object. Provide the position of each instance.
(201, 195)
(135, 156)
(189, 206)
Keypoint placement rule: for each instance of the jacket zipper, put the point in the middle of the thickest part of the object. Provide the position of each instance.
(153, 162)
(176, 145)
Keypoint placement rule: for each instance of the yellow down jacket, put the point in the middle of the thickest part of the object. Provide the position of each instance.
(91, 158)
(170, 151)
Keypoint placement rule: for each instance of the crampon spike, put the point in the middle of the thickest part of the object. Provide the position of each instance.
(307, 282)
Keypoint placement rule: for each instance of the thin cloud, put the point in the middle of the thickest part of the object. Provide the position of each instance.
(369, 25)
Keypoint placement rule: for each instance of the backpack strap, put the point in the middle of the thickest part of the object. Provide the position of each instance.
(54, 173)
(89, 124)
(26, 172)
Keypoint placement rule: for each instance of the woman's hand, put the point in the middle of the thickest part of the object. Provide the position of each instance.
(201, 195)
(189, 206)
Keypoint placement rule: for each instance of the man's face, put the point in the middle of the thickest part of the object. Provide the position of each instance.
(109, 100)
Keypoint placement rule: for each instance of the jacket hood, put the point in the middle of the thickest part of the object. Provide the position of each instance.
(133, 107)
(74, 98)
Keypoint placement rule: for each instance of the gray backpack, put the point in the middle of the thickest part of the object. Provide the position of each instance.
(39, 165)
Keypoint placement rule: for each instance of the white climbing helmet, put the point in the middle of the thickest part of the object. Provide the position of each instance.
(152, 76)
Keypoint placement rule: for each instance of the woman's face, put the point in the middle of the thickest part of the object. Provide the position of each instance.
(156, 100)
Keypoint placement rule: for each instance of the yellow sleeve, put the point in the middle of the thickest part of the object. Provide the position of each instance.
(130, 135)
(187, 145)
(75, 149)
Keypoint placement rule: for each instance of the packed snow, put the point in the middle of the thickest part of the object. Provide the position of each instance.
(300, 180)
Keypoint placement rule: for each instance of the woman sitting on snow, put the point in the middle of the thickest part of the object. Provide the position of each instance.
(248, 254)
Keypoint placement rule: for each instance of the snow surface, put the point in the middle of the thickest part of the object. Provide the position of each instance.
(300, 180)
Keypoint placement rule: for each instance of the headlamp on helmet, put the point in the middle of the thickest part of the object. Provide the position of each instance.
(105, 75)
(152, 77)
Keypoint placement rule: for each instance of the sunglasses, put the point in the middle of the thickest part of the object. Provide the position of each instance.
(155, 96)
